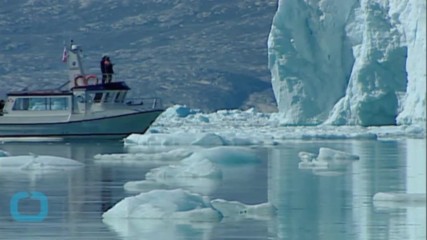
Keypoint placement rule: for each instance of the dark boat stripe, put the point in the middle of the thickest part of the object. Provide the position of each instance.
(72, 135)
(86, 120)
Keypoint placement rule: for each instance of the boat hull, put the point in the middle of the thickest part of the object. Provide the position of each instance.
(111, 126)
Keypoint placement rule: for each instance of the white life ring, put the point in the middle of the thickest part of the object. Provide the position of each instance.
(81, 80)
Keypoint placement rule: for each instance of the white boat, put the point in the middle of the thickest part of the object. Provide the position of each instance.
(85, 108)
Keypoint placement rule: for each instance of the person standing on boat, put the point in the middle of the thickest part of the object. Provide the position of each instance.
(2, 103)
(106, 69)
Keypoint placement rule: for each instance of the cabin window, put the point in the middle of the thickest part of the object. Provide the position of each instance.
(38, 104)
(117, 98)
(21, 104)
(58, 103)
(120, 97)
(108, 97)
(95, 97)
(98, 97)
(41, 104)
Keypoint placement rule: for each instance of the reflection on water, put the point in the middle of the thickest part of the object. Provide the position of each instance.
(148, 229)
(322, 204)
(340, 206)
(76, 197)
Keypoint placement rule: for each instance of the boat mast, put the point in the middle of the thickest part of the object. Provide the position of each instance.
(74, 62)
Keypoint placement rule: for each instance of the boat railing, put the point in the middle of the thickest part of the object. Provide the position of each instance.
(150, 103)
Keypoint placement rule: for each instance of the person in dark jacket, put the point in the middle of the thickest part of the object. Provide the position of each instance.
(106, 69)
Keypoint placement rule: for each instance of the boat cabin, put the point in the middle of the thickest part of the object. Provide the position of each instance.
(81, 99)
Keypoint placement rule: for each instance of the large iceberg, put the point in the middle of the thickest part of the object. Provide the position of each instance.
(349, 62)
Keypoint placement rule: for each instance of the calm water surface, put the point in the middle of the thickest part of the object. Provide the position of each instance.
(312, 204)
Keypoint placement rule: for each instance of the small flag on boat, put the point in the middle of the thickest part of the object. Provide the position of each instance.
(65, 55)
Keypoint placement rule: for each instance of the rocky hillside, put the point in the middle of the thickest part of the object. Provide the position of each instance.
(208, 54)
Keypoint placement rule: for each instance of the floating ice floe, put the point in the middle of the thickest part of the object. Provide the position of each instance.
(329, 172)
(204, 164)
(179, 111)
(399, 200)
(176, 138)
(204, 186)
(195, 173)
(220, 154)
(178, 115)
(142, 158)
(194, 166)
(37, 163)
(218, 135)
(331, 154)
(164, 204)
(183, 126)
(200, 172)
(180, 138)
(307, 157)
(328, 162)
(145, 186)
(181, 204)
(395, 132)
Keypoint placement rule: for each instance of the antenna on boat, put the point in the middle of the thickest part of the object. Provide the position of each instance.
(74, 62)
(64, 60)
